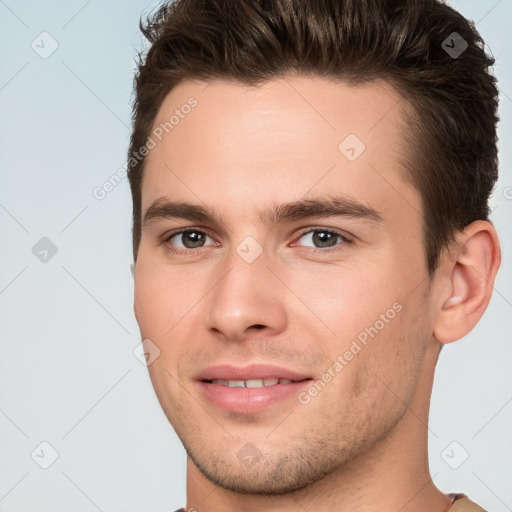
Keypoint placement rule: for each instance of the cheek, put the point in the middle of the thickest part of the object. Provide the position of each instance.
(164, 299)
(157, 305)
(348, 299)
(160, 299)
(394, 357)
(372, 318)
(150, 306)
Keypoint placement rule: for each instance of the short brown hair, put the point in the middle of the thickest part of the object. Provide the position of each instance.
(454, 98)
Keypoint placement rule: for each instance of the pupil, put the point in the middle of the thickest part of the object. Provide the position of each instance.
(320, 237)
(195, 238)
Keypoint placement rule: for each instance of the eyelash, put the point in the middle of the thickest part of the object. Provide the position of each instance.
(344, 238)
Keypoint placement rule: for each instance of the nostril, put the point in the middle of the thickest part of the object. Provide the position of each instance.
(258, 326)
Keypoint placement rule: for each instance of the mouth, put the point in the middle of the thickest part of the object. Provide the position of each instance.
(252, 383)
(250, 389)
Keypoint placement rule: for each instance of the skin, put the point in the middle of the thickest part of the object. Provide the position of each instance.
(360, 444)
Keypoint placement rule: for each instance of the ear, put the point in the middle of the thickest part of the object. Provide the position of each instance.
(467, 276)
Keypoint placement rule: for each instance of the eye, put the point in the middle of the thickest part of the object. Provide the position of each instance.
(324, 239)
(188, 238)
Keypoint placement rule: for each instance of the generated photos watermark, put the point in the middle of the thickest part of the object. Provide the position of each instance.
(358, 343)
(100, 192)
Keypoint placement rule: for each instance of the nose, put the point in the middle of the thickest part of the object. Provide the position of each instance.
(246, 300)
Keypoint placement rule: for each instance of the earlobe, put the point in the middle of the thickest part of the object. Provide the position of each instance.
(470, 273)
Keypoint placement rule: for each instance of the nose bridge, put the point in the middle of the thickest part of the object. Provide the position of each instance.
(246, 263)
(244, 274)
(242, 297)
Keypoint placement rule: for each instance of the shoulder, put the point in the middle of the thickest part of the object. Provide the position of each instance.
(463, 504)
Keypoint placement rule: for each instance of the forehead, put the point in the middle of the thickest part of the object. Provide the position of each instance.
(233, 145)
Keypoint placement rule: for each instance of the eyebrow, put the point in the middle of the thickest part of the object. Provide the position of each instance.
(328, 206)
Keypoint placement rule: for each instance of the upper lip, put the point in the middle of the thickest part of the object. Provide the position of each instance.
(249, 372)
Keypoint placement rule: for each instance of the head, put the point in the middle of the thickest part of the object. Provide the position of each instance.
(285, 112)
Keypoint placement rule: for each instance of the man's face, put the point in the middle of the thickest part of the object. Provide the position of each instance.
(336, 303)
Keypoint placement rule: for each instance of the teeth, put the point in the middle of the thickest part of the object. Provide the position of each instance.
(236, 384)
(252, 383)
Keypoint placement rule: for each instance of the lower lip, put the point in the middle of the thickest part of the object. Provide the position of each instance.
(249, 400)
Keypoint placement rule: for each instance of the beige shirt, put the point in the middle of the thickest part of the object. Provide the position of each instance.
(463, 504)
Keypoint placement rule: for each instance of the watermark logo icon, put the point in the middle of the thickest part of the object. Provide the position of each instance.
(249, 249)
(249, 455)
(352, 147)
(455, 455)
(454, 45)
(44, 455)
(146, 352)
(44, 250)
(44, 45)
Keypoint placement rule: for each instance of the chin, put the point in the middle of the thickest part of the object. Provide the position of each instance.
(279, 474)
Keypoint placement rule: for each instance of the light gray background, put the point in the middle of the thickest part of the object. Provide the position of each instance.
(68, 375)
